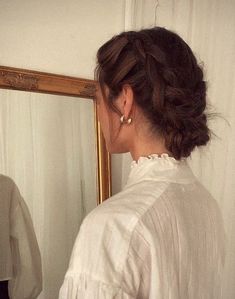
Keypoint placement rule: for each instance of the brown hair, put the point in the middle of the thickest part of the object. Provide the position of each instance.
(167, 83)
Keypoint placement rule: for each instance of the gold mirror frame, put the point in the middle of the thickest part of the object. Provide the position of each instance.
(48, 83)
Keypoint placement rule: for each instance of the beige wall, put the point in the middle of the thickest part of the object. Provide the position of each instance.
(56, 35)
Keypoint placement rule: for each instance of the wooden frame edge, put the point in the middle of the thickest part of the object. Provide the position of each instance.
(104, 164)
(34, 81)
(49, 83)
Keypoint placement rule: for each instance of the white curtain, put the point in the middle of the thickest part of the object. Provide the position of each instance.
(208, 26)
(47, 145)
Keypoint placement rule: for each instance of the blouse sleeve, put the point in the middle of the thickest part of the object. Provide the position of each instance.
(27, 270)
(85, 287)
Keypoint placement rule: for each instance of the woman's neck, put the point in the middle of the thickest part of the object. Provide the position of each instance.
(143, 147)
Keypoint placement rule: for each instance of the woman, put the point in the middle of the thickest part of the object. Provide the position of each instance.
(162, 236)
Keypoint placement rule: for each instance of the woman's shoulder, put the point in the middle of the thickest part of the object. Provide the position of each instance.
(108, 229)
(125, 208)
(117, 211)
(115, 220)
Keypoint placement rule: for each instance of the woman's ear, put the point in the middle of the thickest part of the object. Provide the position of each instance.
(127, 100)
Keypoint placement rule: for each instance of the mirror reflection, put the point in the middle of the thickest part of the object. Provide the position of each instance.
(47, 146)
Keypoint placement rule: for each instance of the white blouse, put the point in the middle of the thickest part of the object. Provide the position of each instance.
(20, 259)
(162, 237)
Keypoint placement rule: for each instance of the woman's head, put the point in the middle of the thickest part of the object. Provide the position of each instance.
(159, 71)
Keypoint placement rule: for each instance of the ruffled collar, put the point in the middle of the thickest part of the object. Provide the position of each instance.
(160, 158)
(162, 167)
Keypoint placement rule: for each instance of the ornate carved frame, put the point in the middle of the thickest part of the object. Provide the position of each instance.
(33, 81)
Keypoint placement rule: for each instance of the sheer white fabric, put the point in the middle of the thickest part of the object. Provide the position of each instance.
(20, 259)
(161, 237)
(43, 148)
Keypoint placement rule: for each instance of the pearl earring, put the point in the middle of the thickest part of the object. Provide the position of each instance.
(128, 121)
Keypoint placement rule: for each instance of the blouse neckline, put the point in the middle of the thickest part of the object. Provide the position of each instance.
(160, 158)
(159, 167)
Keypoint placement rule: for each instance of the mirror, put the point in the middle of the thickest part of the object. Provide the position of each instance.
(51, 146)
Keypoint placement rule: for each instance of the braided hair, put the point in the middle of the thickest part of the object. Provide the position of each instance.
(167, 83)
